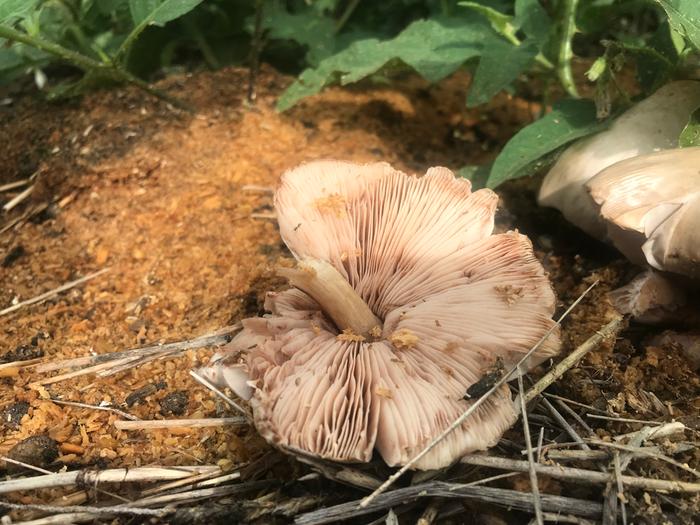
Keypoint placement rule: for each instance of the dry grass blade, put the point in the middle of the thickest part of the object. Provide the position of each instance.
(51, 293)
(13, 185)
(219, 393)
(154, 424)
(18, 199)
(96, 511)
(510, 499)
(609, 330)
(94, 477)
(534, 487)
(121, 413)
(581, 475)
(472, 408)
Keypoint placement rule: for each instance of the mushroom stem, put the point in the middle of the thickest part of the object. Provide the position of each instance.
(337, 298)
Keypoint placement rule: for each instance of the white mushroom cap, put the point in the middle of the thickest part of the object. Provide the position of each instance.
(653, 124)
(452, 299)
(652, 205)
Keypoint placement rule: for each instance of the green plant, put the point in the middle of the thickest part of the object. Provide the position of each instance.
(330, 42)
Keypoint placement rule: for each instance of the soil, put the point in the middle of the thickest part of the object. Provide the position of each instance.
(175, 205)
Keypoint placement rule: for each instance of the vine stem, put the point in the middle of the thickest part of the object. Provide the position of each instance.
(565, 52)
(88, 64)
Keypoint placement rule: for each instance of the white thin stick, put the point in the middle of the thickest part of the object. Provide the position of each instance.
(18, 198)
(534, 487)
(25, 465)
(469, 411)
(177, 423)
(12, 185)
(219, 393)
(97, 407)
(43, 297)
(94, 477)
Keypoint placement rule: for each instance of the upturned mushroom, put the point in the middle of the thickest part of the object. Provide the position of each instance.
(401, 299)
(653, 124)
(651, 206)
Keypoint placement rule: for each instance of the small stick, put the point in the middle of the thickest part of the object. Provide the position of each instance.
(651, 433)
(472, 408)
(267, 216)
(430, 513)
(25, 465)
(572, 402)
(153, 424)
(21, 364)
(12, 185)
(97, 407)
(219, 393)
(650, 452)
(510, 499)
(565, 425)
(566, 408)
(620, 488)
(43, 297)
(534, 487)
(99, 511)
(94, 477)
(570, 360)
(577, 474)
(18, 199)
(193, 481)
(624, 419)
(257, 188)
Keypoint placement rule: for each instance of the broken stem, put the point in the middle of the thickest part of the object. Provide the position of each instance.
(334, 294)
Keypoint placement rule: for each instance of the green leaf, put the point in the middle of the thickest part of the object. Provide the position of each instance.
(11, 10)
(690, 136)
(477, 175)
(684, 17)
(501, 23)
(570, 119)
(307, 28)
(159, 12)
(500, 64)
(531, 17)
(152, 12)
(434, 48)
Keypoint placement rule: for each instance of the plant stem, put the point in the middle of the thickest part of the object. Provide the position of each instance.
(334, 294)
(88, 64)
(565, 52)
(255, 49)
(347, 13)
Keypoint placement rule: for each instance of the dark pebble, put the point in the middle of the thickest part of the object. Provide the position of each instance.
(22, 353)
(13, 255)
(174, 403)
(12, 414)
(138, 395)
(40, 451)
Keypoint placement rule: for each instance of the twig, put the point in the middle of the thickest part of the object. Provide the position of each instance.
(341, 474)
(202, 480)
(565, 425)
(472, 408)
(583, 475)
(649, 452)
(94, 477)
(97, 511)
(96, 407)
(430, 513)
(13, 185)
(18, 199)
(21, 364)
(651, 433)
(566, 408)
(152, 424)
(572, 402)
(219, 393)
(511, 499)
(25, 465)
(570, 360)
(255, 49)
(624, 419)
(534, 487)
(43, 297)
(257, 188)
(620, 488)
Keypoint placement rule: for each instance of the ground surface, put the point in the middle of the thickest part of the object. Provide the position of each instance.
(163, 199)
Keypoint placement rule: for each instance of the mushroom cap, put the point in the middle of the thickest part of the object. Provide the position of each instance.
(651, 125)
(452, 297)
(652, 206)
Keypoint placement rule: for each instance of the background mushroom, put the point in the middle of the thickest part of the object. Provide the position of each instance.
(651, 125)
(402, 299)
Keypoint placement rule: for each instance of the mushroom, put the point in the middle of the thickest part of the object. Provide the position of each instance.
(651, 204)
(401, 299)
(653, 124)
